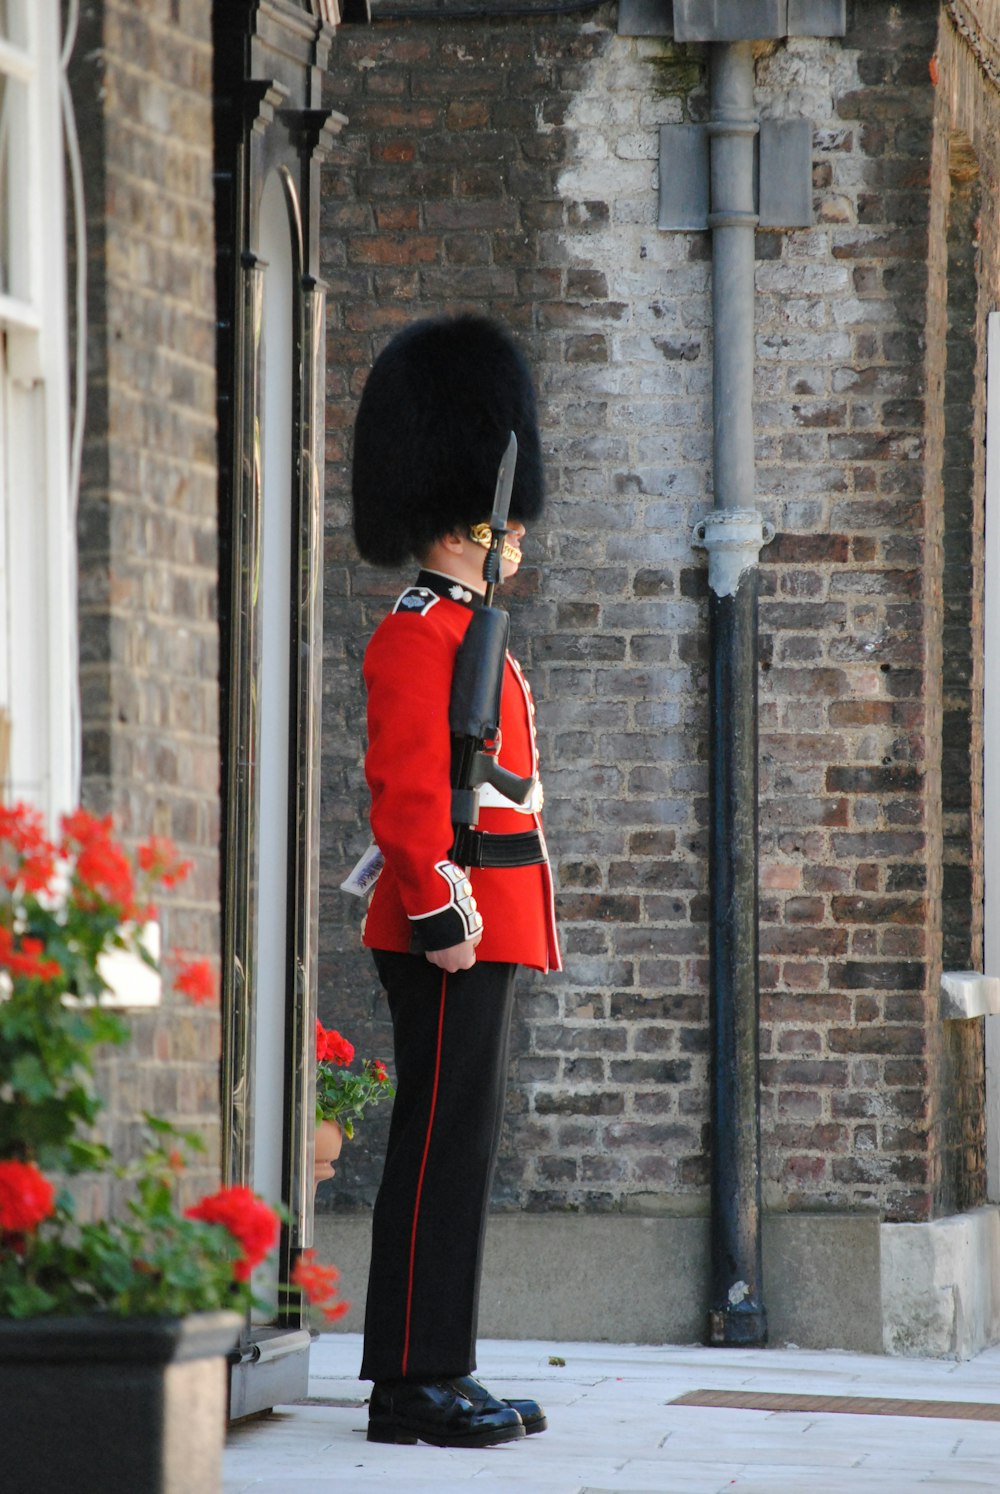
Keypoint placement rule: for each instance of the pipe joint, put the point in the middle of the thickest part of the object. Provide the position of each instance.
(732, 218)
(748, 128)
(734, 538)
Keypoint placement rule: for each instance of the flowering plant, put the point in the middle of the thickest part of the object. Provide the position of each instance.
(341, 1095)
(66, 908)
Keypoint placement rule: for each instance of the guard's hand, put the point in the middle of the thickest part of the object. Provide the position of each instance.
(456, 956)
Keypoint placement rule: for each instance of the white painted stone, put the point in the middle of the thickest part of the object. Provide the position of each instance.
(941, 1286)
(968, 993)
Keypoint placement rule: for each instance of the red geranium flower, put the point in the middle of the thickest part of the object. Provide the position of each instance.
(339, 1050)
(103, 867)
(335, 1310)
(23, 826)
(318, 1284)
(161, 859)
(332, 1048)
(82, 827)
(33, 863)
(197, 980)
(36, 872)
(378, 1071)
(247, 1218)
(26, 1197)
(27, 959)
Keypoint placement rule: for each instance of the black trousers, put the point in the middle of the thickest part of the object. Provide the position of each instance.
(451, 1037)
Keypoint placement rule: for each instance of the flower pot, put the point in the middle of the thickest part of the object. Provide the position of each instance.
(102, 1405)
(326, 1149)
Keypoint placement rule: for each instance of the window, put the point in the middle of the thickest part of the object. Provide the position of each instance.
(39, 732)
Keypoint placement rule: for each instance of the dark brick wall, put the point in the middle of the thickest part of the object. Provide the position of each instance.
(965, 256)
(442, 197)
(141, 83)
(962, 1181)
(963, 418)
(511, 166)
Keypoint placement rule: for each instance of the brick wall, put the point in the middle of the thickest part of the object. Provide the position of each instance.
(512, 166)
(965, 255)
(847, 730)
(141, 82)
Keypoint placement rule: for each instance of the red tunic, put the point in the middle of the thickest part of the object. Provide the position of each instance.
(421, 899)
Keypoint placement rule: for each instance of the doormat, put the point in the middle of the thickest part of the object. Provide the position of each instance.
(844, 1405)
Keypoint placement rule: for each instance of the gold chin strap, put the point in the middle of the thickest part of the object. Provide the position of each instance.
(482, 534)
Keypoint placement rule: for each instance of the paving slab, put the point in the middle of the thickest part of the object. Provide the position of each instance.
(613, 1429)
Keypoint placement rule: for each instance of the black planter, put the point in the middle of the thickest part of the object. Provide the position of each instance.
(114, 1405)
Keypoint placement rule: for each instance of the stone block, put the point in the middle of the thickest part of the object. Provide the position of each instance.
(967, 993)
(940, 1288)
(822, 1281)
(636, 1279)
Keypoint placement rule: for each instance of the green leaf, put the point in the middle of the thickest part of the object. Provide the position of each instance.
(28, 1077)
(88, 1156)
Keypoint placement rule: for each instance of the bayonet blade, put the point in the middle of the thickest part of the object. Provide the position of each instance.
(505, 484)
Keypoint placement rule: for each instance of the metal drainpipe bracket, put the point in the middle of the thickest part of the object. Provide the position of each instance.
(731, 20)
(782, 174)
(734, 538)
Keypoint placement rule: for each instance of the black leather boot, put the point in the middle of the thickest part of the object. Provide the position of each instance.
(438, 1412)
(530, 1412)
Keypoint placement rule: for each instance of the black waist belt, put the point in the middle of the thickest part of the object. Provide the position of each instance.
(480, 848)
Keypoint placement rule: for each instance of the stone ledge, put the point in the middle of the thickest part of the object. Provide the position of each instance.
(968, 993)
(831, 1281)
(622, 1279)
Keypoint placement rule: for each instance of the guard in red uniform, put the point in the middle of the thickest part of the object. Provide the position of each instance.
(432, 427)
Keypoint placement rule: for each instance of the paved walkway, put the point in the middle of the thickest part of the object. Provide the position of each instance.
(612, 1427)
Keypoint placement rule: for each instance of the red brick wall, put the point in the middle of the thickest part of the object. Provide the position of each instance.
(965, 253)
(511, 166)
(141, 82)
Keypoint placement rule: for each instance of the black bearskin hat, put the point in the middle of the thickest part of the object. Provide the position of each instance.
(434, 421)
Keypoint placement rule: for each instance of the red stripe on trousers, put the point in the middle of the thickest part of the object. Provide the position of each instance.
(420, 1178)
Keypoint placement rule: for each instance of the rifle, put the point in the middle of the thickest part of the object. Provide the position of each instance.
(474, 710)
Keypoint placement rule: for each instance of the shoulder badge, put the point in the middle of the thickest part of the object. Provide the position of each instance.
(419, 599)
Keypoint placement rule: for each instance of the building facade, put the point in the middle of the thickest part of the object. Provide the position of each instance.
(160, 415)
(515, 162)
(245, 181)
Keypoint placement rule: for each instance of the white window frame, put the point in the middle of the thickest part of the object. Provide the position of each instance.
(39, 463)
(39, 682)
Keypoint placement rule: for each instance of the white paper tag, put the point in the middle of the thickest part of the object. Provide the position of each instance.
(362, 879)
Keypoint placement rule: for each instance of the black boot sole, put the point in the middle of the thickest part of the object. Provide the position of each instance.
(390, 1429)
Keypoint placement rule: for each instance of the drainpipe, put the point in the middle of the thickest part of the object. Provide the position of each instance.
(707, 182)
(733, 535)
